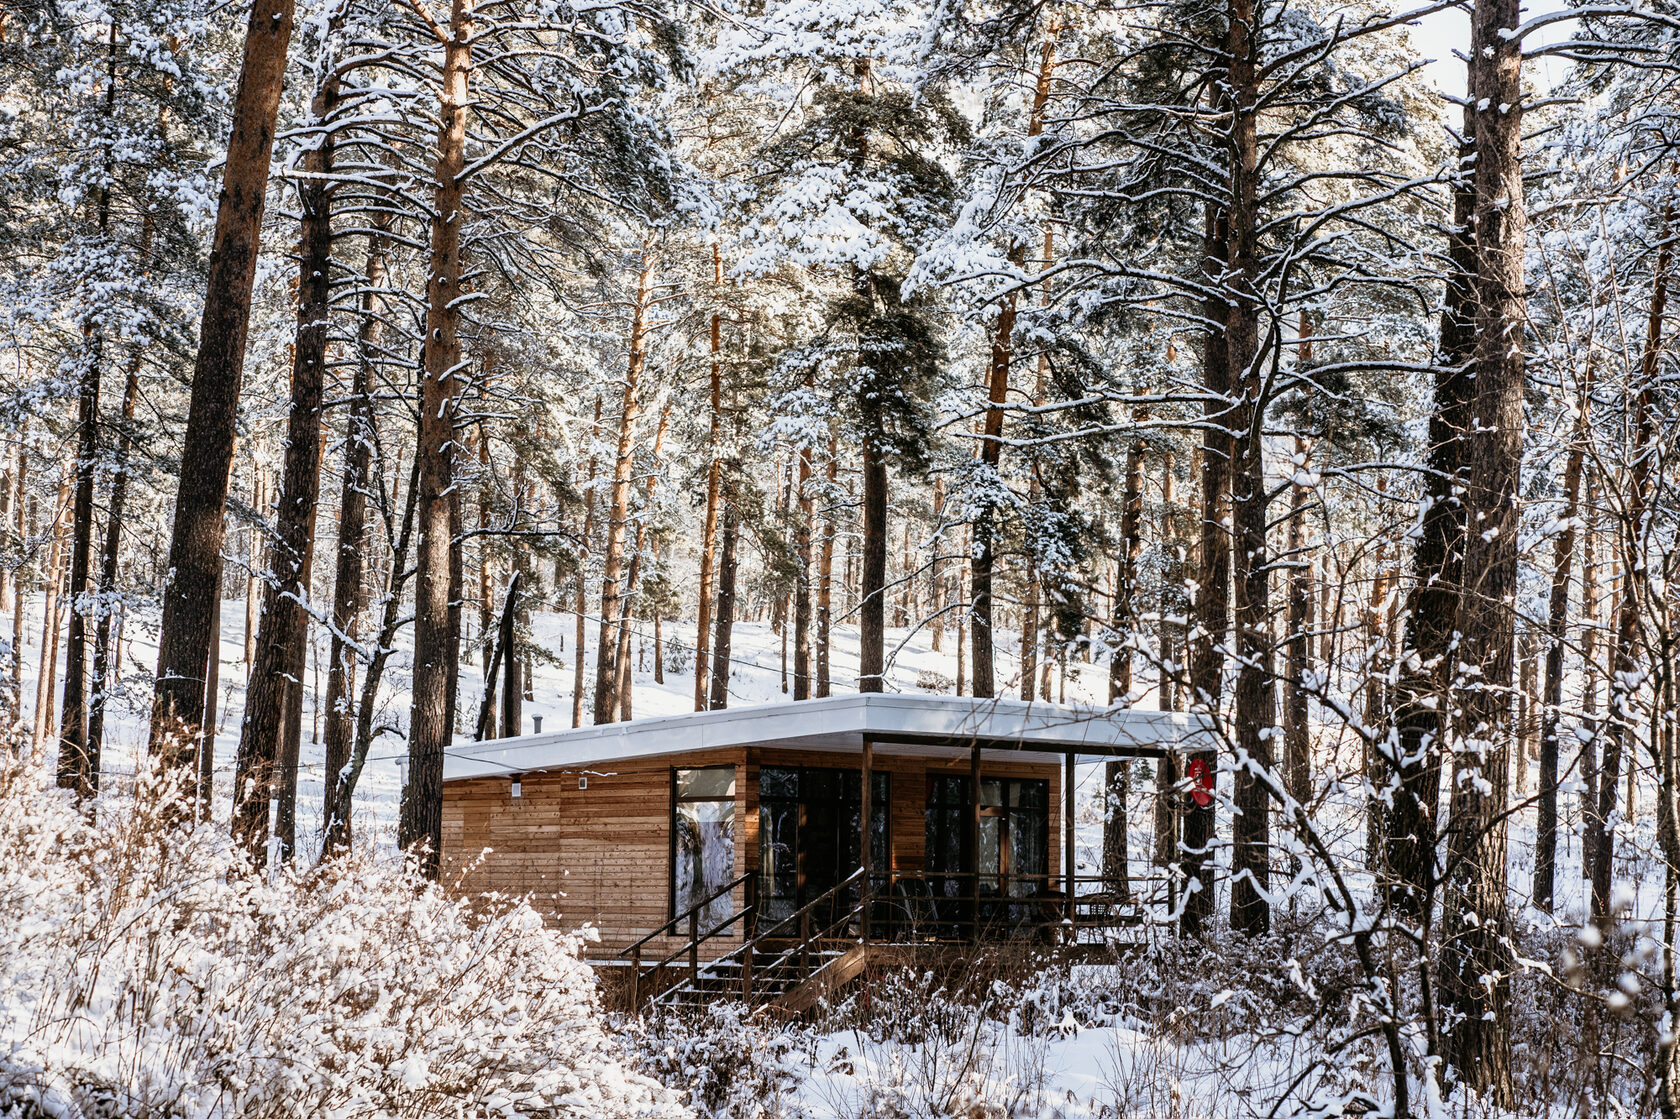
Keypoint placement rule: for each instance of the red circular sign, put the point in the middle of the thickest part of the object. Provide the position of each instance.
(1201, 782)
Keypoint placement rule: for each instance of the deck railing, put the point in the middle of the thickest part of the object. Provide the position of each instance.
(960, 907)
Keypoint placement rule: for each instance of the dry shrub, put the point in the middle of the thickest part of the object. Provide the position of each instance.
(147, 970)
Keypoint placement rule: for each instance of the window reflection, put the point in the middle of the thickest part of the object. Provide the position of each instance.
(703, 841)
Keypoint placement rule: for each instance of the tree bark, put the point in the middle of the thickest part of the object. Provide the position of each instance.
(116, 502)
(1297, 740)
(725, 610)
(714, 476)
(52, 609)
(20, 483)
(349, 595)
(825, 575)
(1255, 694)
(78, 766)
(1557, 622)
(631, 578)
(582, 577)
(1476, 925)
(612, 565)
(195, 543)
(1437, 572)
(872, 629)
(437, 619)
(275, 693)
(1627, 669)
(1212, 605)
(1170, 638)
(1117, 774)
(982, 560)
(802, 588)
(337, 838)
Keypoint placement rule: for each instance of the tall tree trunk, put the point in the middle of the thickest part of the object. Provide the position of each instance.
(1171, 636)
(1117, 774)
(1557, 623)
(337, 838)
(612, 564)
(825, 574)
(116, 502)
(936, 573)
(513, 691)
(582, 603)
(1627, 669)
(19, 501)
(634, 574)
(437, 618)
(1297, 733)
(962, 613)
(349, 594)
(872, 628)
(195, 543)
(1588, 736)
(78, 767)
(1374, 760)
(1255, 698)
(714, 476)
(254, 545)
(1437, 572)
(1029, 623)
(268, 733)
(802, 588)
(983, 560)
(20, 482)
(1125, 574)
(51, 611)
(1475, 923)
(725, 610)
(479, 440)
(1211, 609)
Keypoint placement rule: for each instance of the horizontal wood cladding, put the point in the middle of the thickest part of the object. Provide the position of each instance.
(601, 855)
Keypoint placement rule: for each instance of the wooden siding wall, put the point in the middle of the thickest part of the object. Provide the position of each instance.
(602, 855)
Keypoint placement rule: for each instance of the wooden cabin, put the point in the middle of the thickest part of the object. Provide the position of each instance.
(743, 819)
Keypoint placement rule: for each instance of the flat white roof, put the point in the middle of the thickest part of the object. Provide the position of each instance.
(902, 724)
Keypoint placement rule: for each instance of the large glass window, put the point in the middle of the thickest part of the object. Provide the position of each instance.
(703, 840)
(1014, 835)
(810, 833)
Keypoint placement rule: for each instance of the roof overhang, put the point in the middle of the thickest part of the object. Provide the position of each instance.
(930, 725)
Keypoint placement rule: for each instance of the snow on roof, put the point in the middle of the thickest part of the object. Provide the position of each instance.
(932, 724)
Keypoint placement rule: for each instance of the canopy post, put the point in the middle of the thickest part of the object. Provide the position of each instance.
(1069, 863)
(974, 839)
(867, 848)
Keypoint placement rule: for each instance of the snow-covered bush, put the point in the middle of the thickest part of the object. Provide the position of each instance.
(733, 1063)
(147, 970)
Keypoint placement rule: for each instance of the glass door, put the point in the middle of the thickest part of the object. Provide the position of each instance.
(810, 836)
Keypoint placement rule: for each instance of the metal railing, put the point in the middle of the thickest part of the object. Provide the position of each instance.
(889, 907)
(690, 917)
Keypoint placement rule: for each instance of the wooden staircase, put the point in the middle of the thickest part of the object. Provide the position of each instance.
(789, 965)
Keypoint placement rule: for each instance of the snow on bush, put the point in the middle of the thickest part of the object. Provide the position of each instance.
(147, 970)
